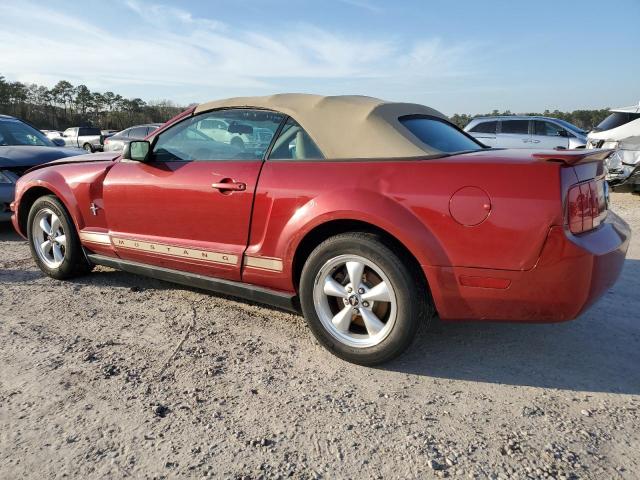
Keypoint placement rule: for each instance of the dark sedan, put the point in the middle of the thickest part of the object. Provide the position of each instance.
(22, 147)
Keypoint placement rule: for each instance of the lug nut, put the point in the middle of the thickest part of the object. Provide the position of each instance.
(349, 289)
(365, 304)
(355, 310)
(361, 290)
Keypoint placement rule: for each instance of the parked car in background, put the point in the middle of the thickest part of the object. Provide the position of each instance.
(367, 215)
(519, 131)
(89, 139)
(22, 147)
(117, 142)
(621, 131)
(234, 133)
(51, 134)
(108, 133)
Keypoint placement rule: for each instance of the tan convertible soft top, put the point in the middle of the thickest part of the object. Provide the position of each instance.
(349, 126)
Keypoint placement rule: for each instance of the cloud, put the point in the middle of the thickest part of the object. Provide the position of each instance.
(365, 5)
(172, 49)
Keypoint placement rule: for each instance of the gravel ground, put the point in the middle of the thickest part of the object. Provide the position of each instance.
(113, 375)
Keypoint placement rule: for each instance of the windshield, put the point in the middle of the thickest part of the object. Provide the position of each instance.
(570, 126)
(439, 134)
(615, 120)
(14, 132)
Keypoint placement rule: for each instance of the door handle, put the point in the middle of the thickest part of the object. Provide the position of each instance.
(525, 140)
(228, 185)
(535, 141)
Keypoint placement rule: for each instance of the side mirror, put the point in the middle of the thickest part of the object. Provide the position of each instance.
(137, 150)
(58, 142)
(563, 133)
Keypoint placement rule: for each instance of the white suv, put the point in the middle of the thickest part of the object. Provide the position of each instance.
(526, 132)
(621, 131)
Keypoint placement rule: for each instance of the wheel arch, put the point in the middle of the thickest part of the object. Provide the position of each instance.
(331, 228)
(34, 191)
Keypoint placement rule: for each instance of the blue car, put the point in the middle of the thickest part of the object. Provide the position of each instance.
(23, 147)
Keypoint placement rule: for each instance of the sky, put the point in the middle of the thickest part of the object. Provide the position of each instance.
(457, 56)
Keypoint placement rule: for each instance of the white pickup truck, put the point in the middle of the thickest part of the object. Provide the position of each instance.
(88, 138)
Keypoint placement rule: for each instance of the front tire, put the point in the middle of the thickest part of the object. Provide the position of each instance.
(361, 300)
(238, 143)
(53, 240)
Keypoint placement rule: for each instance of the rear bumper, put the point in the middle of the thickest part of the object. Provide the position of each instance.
(570, 275)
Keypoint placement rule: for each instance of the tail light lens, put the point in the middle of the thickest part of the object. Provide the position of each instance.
(587, 206)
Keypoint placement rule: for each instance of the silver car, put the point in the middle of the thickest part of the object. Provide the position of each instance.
(116, 143)
(519, 131)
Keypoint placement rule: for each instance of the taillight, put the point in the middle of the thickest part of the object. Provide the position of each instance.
(587, 206)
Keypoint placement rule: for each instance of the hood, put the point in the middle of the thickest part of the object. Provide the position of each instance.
(631, 129)
(90, 157)
(29, 156)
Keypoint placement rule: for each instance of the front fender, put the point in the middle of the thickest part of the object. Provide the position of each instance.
(55, 183)
(74, 185)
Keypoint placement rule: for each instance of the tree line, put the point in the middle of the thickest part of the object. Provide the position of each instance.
(584, 119)
(66, 105)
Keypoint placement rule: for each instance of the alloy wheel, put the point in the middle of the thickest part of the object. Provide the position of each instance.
(355, 301)
(49, 238)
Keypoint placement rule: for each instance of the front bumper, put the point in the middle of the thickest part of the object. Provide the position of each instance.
(623, 168)
(7, 194)
(627, 177)
(572, 273)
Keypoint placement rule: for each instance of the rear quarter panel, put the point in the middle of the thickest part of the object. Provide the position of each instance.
(410, 200)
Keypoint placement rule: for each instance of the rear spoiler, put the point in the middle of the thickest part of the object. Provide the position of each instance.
(572, 157)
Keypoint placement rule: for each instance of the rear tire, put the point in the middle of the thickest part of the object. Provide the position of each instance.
(53, 240)
(362, 301)
(88, 147)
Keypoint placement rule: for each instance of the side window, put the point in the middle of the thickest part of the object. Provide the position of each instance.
(548, 129)
(138, 132)
(294, 143)
(230, 134)
(520, 127)
(89, 131)
(69, 132)
(485, 127)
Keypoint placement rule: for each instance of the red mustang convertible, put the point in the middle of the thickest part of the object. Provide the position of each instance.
(368, 216)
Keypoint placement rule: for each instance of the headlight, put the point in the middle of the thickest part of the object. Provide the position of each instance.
(5, 178)
(614, 162)
(629, 157)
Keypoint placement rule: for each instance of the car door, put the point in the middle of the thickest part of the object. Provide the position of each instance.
(189, 206)
(513, 134)
(549, 135)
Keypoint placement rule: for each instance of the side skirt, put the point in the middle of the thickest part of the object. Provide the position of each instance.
(245, 291)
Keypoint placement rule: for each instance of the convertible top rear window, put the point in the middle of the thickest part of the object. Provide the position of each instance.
(438, 134)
